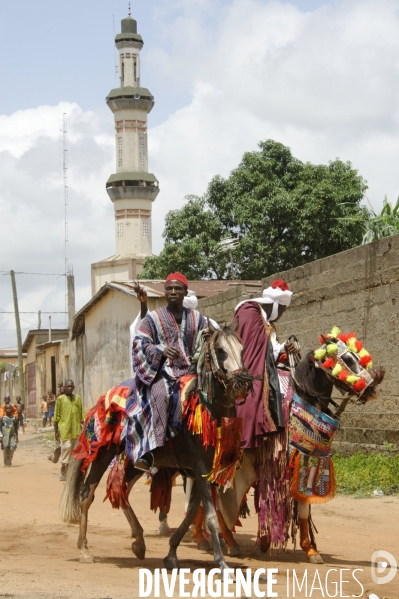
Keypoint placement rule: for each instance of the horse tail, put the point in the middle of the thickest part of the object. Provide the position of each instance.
(70, 498)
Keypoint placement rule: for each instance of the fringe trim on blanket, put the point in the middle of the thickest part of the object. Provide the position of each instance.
(312, 478)
(117, 488)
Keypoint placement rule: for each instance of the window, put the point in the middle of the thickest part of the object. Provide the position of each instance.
(120, 229)
(135, 70)
(120, 154)
(146, 228)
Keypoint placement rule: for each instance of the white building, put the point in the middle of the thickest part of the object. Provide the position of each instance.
(132, 189)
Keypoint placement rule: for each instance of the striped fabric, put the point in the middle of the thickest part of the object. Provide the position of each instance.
(154, 405)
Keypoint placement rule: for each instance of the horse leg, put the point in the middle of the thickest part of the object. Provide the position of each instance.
(171, 561)
(233, 547)
(163, 529)
(312, 554)
(198, 531)
(138, 546)
(210, 512)
(97, 469)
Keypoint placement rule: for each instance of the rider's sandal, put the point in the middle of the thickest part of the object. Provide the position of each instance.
(145, 463)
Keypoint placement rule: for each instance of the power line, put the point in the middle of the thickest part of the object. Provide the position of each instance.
(34, 312)
(43, 274)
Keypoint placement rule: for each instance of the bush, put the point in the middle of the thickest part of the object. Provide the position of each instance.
(364, 473)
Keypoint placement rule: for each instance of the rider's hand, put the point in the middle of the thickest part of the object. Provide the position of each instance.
(141, 293)
(171, 352)
(290, 348)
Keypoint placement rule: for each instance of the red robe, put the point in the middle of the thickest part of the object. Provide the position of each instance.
(262, 410)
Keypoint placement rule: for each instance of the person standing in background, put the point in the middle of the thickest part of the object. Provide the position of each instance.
(68, 418)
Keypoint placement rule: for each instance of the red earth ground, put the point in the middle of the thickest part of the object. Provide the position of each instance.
(39, 558)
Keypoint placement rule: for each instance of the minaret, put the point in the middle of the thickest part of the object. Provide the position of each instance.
(132, 189)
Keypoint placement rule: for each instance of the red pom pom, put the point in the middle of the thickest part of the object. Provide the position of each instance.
(351, 334)
(359, 385)
(343, 337)
(343, 375)
(322, 340)
(365, 360)
(329, 363)
(359, 345)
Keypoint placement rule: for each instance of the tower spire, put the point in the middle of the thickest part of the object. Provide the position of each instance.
(129, 11)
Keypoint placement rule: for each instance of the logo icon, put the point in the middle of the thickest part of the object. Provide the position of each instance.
(383, 561)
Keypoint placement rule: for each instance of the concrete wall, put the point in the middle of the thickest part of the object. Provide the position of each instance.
(355, 290)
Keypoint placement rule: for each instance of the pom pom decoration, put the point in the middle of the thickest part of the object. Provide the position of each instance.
(329, 363)
(359, 385)
(359, 345)
(332, 348)
(369, 366)
(336, 370)
(365, 361)
(319, 354)
(343, 375)
(351, 343)
(322, 338)
(335, 332)
(352, 378)
(363, 352)
(343, 337)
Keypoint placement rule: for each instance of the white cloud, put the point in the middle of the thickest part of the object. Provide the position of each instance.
(324, 82)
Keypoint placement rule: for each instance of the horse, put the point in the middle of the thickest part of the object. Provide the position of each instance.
(313, 383)
(211, 393)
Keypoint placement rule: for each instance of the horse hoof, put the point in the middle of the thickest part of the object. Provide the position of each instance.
(204, 546)
(164, 529)
(86, 558)
(315, 558)
(138, 550)
(234, 551)
(171, 563)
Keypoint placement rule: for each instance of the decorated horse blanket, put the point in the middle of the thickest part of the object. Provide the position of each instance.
(311, 434)
(103, 424)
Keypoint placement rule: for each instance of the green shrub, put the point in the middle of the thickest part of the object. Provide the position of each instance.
(364, 473)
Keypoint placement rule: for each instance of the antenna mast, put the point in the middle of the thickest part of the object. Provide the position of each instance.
(65, 179)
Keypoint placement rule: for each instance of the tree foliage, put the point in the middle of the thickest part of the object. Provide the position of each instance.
(384, 224)
(281, 212)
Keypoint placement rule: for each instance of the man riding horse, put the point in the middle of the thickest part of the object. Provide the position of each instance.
(162, 351)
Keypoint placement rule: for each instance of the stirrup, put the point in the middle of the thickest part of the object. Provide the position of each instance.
(145, 463)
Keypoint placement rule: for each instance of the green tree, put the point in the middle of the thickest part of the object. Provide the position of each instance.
(281, 212)
(384, 224)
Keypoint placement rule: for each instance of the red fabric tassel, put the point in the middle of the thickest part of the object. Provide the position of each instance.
(161, 491)
(117, 487)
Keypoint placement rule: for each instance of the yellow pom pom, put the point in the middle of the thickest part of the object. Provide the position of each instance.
(335, 332)
(336, 370)
(369, 365)
(363, 352)
(319, 354)
(352, 379)
(351, 344)
(332, 348)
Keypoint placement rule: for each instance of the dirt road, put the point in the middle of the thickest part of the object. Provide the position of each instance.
(39, 558)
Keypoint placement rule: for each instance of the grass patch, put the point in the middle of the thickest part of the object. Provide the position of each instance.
(363, 473)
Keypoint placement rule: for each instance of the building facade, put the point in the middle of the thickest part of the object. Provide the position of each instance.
(131, 188)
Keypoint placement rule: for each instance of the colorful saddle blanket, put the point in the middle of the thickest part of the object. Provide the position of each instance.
(103, 424)
(311, 434)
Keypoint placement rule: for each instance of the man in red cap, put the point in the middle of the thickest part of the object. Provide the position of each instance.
(162, 351)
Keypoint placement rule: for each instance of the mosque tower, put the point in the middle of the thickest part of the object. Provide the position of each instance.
(132, 189)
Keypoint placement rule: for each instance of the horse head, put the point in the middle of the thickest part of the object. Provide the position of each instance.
(340, 362)
(224, 352)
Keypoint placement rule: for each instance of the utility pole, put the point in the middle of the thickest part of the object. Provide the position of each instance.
(39, 319)
(19, 338)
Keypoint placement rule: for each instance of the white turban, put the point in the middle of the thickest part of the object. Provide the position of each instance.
(191, 300)
(273, 296)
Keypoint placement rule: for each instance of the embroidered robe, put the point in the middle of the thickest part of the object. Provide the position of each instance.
(153, 406)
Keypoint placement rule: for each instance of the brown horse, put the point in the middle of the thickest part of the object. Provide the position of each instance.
(220, 369)
(313, 384)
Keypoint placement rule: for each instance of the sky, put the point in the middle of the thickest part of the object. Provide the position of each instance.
(322, 77)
